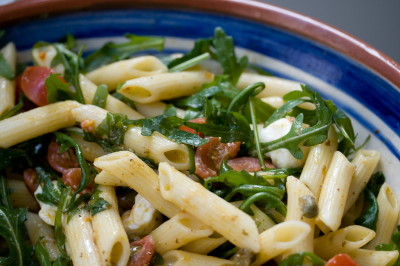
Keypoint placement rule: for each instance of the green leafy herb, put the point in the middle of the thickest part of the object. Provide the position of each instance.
(190, 63)
(157, 259)
(112, 52)
(5, 69)
(244, 96)
(278, 173)
(50, 193)
(284, 110)
(42, 254)
(169, 127)
(225, 53)
(375, 182)
(9, 156)
(200, 47)
(12, 230)
(234, 179)
(97, 203)
(57, 90)
(100, 96)
(170, 110)
(256, 137)
(88, 171)
(58, 221)
(369, 217)
(310, 136)
(298, 259)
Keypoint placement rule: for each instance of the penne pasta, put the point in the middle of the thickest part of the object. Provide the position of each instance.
(182, 258)
(372, 257)
(156, 147)
(21, 197)
(118, 72)
(204, 245)
(224, 218)
(41, 120)
(165, 86)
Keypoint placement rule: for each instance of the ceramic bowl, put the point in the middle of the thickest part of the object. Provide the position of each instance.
(359, 79)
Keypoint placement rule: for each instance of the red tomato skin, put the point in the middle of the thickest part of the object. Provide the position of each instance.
(31, 179)
(61, 161)
(341, 259)
(72, 177)
(33, 84)
(208, 157)
(146, 252)
(201, 120)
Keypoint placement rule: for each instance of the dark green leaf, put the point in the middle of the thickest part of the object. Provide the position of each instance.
(243, 96)
(5, 69)
(50, 193)
(375, 182)
(284, 110)
(266, 199)
(262, 110)
(393, 245)
(100, 96)
(225, 53)
(97, 203)
(190, 63)
(234, 179)
(278, 173)
(42, 254)
(258, 70)
(112, 52)
(58, 224)
(369, 216)
(88, 171)
(57, 90)
(9, 156)
(298, 259)
(200, 47)
(157, 259)
(170, 110)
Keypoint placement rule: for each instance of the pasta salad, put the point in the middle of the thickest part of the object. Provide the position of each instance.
(122, 158)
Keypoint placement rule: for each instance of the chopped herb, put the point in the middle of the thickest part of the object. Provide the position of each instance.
(97, 204)
(57, 90)
(170, 110)
(58, 222)
(112, 52)
(100, 96)
(200, 47)
(125, 100)
(190, 63)
(88, 171)
(50, 193)
(375, 182)
(5, 69)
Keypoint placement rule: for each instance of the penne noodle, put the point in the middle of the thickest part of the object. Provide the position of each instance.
(90, 150)
(41, 120)
(157, 147)
(165, 86)
(111, 238)
(366, 257)
(118, 72)
(334, 192)
(223, 217)
(178, 231)
(183, 258)
(205, 245)
(343, 240)
(21, 197)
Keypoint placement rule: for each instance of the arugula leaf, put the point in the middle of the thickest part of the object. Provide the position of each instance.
(57, 90)
(267, 199)
(72, 63)
(244, 96)
(97, 204)
(256, 136)
(88, 171)
(112, 52)
(58, 221)
(375, 182)
(310, 136)
(298, 259)
(8, 156)
(170, 110)
(12, 230)
(200, 47)
(190, 63)
(50, 194)
(278, 173)
(262, 110)
(5, 69)
(225, 53)
(233, 179)
(169, 127)
(369, 217)
(284, 110)
(100, 96)
(42, 254)
(113, 129)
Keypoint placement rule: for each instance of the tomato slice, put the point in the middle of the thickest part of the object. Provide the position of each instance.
(209, 156)
(31, 179)
(33, 84)
(145, 250)
(341, 259)
(201, 120)
(61, 161)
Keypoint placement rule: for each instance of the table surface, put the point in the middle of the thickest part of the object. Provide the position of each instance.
(374, 22)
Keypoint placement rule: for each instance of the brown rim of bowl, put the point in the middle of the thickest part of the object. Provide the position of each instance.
(249, 9)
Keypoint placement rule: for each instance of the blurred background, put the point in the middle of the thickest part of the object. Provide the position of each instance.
(374, 22)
